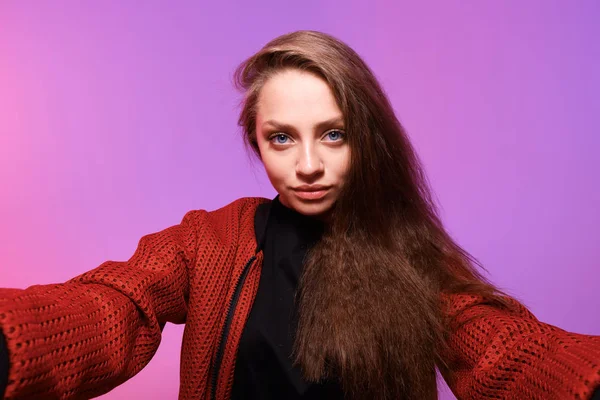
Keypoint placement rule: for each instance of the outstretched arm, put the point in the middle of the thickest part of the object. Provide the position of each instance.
(496, 353)
(88, 335)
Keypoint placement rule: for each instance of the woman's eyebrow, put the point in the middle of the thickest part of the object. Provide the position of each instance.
(339, 121)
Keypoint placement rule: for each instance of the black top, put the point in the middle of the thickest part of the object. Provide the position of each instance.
(264, 367)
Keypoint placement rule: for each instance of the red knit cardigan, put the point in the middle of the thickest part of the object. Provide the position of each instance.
(84, 337)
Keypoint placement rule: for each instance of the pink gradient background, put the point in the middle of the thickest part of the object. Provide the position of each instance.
(118, 117)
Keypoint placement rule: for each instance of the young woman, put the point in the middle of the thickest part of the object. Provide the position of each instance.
(346, 285)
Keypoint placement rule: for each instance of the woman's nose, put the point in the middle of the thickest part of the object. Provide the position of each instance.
(309, 162)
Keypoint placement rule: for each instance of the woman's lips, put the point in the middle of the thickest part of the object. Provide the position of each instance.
(311, 194)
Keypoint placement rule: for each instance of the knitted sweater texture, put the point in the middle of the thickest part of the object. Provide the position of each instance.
(82, 338)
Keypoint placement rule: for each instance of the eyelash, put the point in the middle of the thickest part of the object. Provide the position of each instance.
(276, 135)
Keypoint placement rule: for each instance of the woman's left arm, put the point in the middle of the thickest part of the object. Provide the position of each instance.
(497, 353)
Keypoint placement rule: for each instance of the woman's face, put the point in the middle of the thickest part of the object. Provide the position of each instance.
(301, 139)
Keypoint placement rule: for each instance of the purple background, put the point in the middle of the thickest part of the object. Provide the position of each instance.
(118, 117)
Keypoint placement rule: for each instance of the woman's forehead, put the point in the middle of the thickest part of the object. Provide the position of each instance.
(295, 96)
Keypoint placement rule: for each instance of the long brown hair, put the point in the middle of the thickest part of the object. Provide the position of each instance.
(369, 297)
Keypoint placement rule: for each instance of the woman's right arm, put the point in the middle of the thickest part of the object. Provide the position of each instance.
(86, 336)
(3, 365)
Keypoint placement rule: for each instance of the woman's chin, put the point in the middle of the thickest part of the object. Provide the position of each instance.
(311, 208)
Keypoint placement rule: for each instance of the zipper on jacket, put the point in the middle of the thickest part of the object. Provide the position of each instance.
(225, 332)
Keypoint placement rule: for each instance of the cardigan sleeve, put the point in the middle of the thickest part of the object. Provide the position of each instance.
(3, 365)
(496, 353)
(82, 338)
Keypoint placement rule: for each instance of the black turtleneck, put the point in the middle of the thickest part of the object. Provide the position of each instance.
(264, 367)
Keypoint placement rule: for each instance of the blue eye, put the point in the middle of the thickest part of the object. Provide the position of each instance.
(280, 139)
(335, 135)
